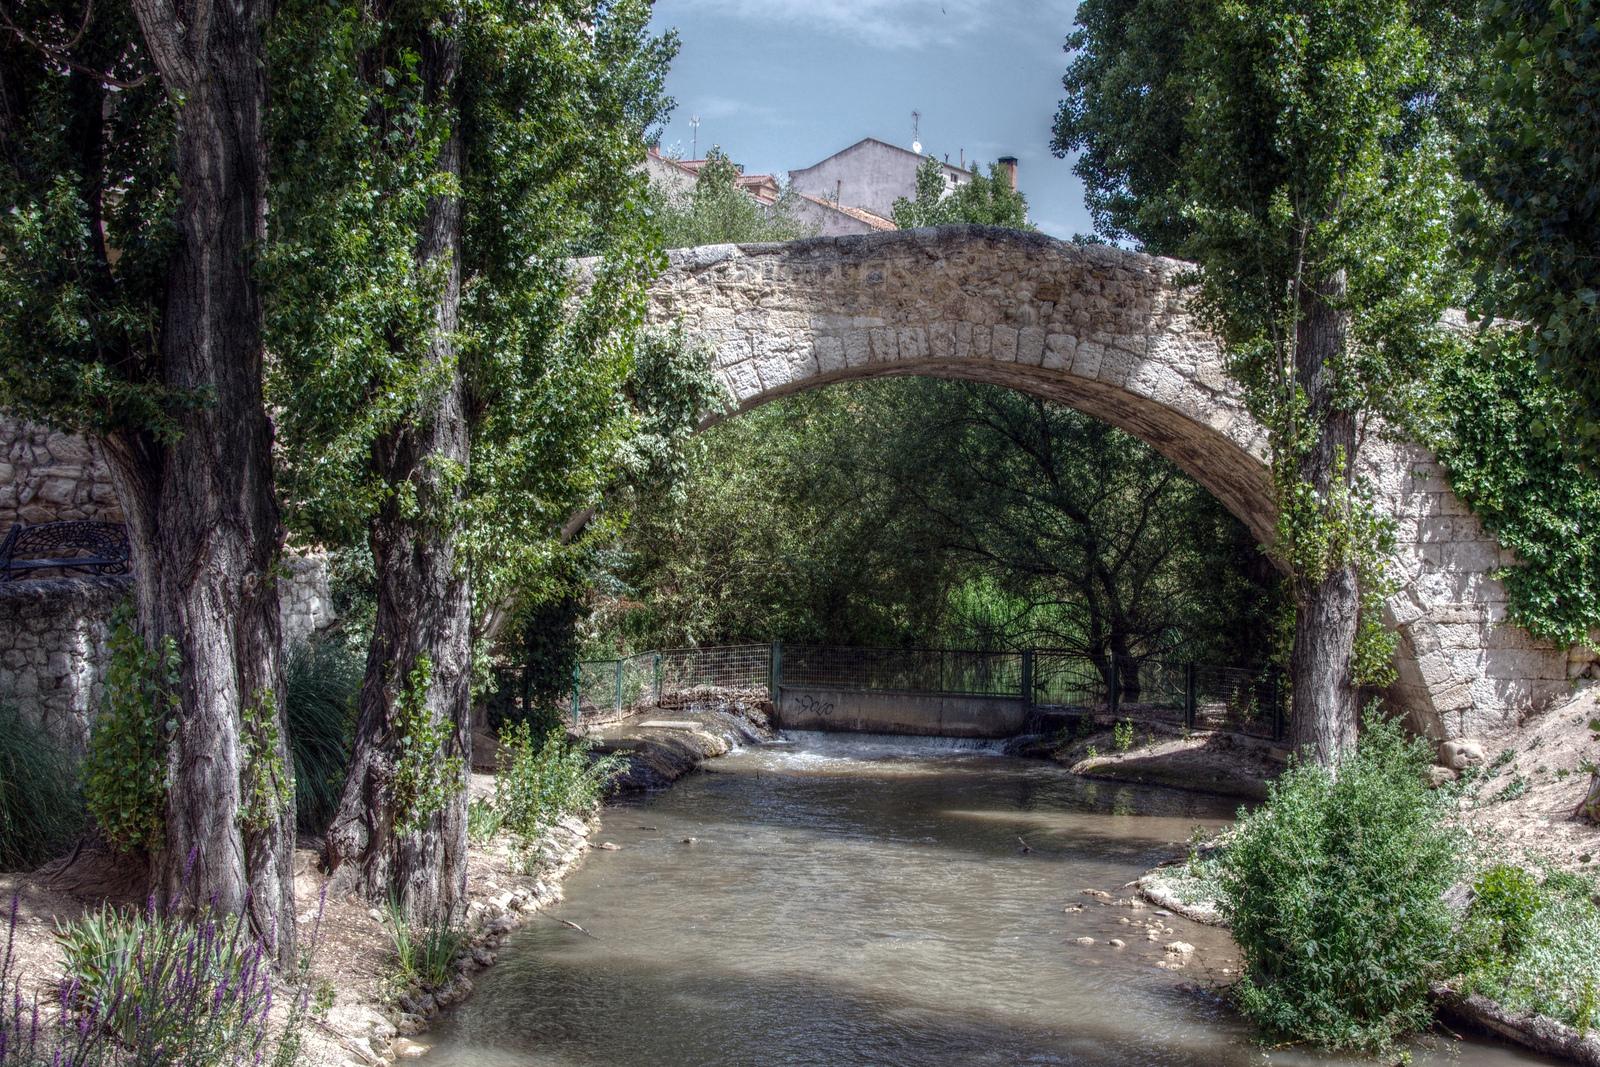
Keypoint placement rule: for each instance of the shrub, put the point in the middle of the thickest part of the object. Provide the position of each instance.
(483, 822)
(1333, 890)
(1122, 735)
(41, 806)
(320, 700)
(538, 785)
(1532, 947)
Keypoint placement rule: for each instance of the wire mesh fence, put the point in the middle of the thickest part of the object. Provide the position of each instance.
(1198, 696)
(909, 670)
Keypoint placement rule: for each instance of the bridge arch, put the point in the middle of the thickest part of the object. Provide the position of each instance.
(1107, 332)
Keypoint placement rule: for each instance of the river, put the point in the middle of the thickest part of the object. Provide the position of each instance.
(851, 899)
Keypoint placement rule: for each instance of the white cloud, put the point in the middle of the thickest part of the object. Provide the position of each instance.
(885, 24)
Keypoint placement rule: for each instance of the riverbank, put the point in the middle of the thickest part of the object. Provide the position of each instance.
(1157, 753)
(373, 1018)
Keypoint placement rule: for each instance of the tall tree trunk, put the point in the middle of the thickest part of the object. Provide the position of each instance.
(424, 610)
(201, 510)
(1328, 606)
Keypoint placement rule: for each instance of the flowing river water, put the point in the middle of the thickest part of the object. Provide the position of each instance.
(854, 899)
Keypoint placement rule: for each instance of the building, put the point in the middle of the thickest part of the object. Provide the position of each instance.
(870, 175)
(680, 175)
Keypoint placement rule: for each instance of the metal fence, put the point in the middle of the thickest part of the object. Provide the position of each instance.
(906, 670)
(1198, 696)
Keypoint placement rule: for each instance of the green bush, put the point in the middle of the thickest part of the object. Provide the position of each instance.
(538, 785)
(425, 954)
(1531, 947)
(1333, 890)
(41, 806)
(320, 700)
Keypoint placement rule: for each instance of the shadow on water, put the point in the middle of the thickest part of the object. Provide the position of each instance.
(866, 901)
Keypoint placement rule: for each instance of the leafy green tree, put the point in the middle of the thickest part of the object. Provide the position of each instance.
(1300, 152)
(1533, 222)
(986, 201)
(716, 210)
(450, 385)
(133, 178)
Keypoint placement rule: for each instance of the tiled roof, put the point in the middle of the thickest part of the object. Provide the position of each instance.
(877, 222)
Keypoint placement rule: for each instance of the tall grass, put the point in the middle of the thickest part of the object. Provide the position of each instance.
(41, 802)
(426, 954)
(324, 685)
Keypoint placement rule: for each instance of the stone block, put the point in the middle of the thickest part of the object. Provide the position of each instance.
(1058, 351)
(1005, 344)
(1030, 346)
(857, 348)
(67, 448)
(1086, 359)
(830, 354)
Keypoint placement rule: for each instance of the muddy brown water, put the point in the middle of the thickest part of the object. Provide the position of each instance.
(852, 900)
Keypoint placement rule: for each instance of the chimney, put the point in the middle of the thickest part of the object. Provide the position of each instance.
(1010, 164)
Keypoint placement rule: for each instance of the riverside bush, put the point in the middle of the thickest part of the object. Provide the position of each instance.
(538, 785)
(41, 806)
(422, 953)
(1531, 947)
(1333, 892)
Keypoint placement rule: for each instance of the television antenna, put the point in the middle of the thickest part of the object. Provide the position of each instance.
(916, 132)
(694, 140)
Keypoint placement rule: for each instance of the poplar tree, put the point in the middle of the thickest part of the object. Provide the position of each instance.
(1300, 153)
(448, 375)
(133, 177)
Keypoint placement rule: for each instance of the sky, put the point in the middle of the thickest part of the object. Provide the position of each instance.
(783, 84)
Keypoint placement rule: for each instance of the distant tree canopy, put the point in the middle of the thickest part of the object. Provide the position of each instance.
(922, 511)
(715, 210)
(986, 201)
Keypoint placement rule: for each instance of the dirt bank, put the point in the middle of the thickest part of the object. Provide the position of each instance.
(1204, 761)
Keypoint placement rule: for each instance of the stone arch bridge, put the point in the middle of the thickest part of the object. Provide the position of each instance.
(1107, 332)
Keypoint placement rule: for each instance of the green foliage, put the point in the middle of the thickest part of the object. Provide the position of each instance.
(1122, 734)
(715, 210)
(1333, 892)
(540, 780)
(424, 954)
(41, 804)
(323, 684)
(264, 784)
(1533, 223)
(125, 770)
(483, 821)
(1300, 152)
(425, 779)
(927, 512)
(1530, 947)
(86, 168)
(986, 201)
(1495, 428)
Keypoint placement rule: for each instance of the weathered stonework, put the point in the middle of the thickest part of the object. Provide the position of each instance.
(53, 650)
(51, 477)
(1107, 332)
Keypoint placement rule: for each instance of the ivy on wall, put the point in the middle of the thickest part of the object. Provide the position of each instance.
(1495, 429)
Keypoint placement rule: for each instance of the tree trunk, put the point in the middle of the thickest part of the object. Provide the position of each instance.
(424, 610)
(1323, 712)
(201, 510)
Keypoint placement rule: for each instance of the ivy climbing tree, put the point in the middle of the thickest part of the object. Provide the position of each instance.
(1300, 153)
(449, 379)
(132, 194)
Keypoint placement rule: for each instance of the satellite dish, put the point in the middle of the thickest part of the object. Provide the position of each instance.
(916, 146)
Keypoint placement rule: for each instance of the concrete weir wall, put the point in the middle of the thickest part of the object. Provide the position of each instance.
(888, 712)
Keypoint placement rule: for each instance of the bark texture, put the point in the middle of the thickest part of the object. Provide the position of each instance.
(424, 608)
(203, 518)
(1324, 707)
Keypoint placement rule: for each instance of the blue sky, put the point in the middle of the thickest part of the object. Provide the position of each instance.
(781, 84)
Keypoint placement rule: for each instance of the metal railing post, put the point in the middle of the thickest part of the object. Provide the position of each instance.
(577, 686)
(1027, 682)
(775, 685)
(1277, 706)
(1190, 684)
(658, 677)
(619, 687)
(1113, 687)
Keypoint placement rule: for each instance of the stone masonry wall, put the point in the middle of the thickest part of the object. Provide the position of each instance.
(51, 477)
(53, 650)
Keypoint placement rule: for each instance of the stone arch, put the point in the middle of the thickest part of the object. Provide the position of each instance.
(1107, 332)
